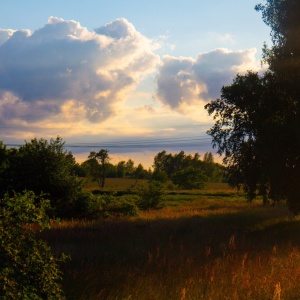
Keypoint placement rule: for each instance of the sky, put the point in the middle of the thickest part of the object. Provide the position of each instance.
(128, 76)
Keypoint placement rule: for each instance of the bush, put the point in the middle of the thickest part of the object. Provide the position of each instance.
(171, 186)
(151, 196)
(43, 167)
(28, 270)
(159, 175)
(190, 178)
(107, 205)
(81, 205)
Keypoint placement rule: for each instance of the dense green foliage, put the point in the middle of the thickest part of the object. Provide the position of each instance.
(186, 171)
(190, 178)
(258, 117)
(93, 169)
(170, 163)
(159, 175)
(103, 158)
(45, 167)
(107, 205)
(42, 166)
(28, 270)
(151, 196)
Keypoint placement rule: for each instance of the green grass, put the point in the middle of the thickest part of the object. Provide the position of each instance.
(209, 244)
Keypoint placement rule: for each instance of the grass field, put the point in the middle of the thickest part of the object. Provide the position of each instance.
(117, 184)
(209, 244)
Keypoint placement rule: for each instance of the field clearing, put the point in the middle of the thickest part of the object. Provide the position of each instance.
(117, 184)
(208, 244)
(122, 184)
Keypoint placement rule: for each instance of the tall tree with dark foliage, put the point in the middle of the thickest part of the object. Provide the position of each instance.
(257, 124)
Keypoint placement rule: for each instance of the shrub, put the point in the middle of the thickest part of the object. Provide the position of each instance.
(107, 205)
(151, 196)
(171, 186)
(159, 175)
(28, 270)
(190, 178)
(42, 166)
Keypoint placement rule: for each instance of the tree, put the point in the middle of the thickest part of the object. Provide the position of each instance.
(211, 169)
(43, 167)
(190, 178)
(28, 269)
(103, 158)
(121, 169)
(208, 158)
(166, 165)
(170, 163)
(130, 167)
(151, 196)
(111, 170)
(258, 117)
(159, 175)
(78, 170)
(92, 170)
(4, 163)
(239, 115)
(283, 18)
(140, 172)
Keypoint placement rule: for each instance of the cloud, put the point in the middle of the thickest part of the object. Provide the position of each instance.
(63, 70)
(117, 30)
(183, 82)
(5, 35)
(225, 38)
(145, 108)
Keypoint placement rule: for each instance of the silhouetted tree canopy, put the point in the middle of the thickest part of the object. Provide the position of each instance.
(100, 168)
(190, 178)
(42, 166)
(187, 171)
(257, 126)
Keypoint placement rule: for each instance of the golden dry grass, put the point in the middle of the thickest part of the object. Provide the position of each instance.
(208, 244)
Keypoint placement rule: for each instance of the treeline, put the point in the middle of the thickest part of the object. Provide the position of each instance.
(177, 166)
(165, 166)
(91, 167)
(45, 167)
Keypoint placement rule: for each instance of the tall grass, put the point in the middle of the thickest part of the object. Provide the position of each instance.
(201, 247)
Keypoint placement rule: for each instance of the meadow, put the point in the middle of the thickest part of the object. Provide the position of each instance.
(205, 244)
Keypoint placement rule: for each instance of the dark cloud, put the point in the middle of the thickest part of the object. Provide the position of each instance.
(5, 35)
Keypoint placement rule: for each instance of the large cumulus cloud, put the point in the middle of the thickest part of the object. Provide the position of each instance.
(184, 81)
(62, 69)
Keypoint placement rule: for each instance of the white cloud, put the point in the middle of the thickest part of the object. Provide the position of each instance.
(5, 35)
(63, 70)
(62, 77)
(183, 82)
(224, 38)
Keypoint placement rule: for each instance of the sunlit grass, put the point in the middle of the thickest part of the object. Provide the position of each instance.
(201, 246)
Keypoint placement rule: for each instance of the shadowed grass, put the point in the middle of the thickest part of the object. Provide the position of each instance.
(117, 184)
(202, 247)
